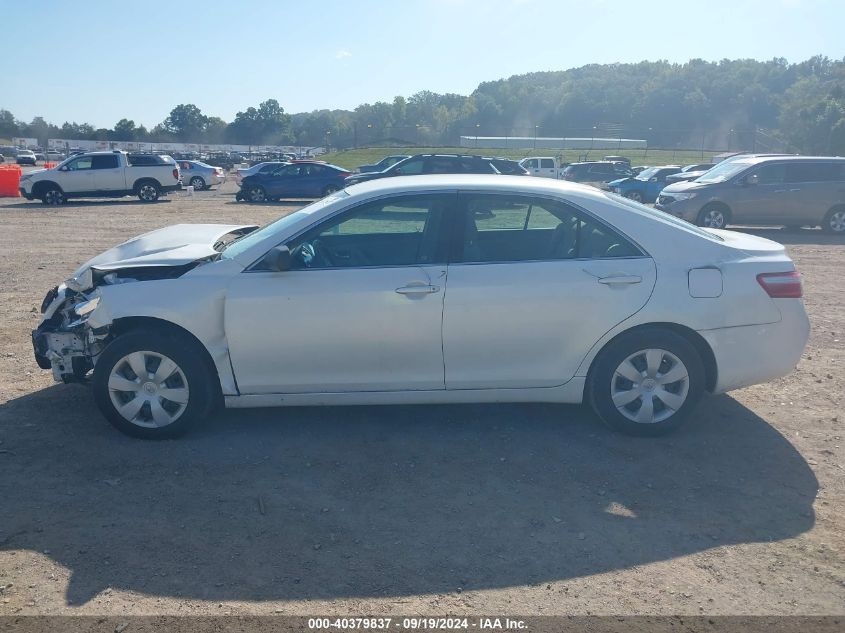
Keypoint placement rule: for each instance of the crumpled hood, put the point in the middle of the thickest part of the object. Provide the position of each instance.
(171, 246)
(620, 181)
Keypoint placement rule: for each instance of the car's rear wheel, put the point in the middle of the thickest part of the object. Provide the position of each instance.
(148, 192)
(834, 221)
(256, 194)
(153, 384)
(713, 216)
(636, 196)
(53, 195)
(197, 183)
(646, 382)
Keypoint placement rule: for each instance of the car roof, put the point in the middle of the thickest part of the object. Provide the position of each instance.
(757, 159)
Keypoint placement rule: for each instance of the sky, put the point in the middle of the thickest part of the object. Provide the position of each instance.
(99, 61)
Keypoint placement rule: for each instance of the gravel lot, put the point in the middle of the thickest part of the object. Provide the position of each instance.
(493, 509)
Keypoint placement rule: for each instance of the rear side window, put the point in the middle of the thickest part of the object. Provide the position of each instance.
(801, 171)
(506, 228)
(443, 165)
(547, 163)
(104, 162)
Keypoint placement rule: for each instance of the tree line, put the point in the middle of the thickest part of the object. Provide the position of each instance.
(768, 104)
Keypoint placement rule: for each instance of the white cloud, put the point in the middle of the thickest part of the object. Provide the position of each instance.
(342, 54)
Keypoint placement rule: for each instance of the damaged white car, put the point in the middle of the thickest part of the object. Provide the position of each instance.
(428, 289)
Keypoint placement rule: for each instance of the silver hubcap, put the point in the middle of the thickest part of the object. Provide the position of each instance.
(148, 389)
(649, 386)
(714, 219)
(197, 183)
(257, 195)
(53, 197)
(635, 196)
(148, 192)
(837, 221)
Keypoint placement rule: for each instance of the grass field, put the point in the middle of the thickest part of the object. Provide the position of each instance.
(350, 159)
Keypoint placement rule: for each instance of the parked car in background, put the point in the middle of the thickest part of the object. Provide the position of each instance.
(646, 185)
(384, 163)
(103, 175)
(199, 175)
(302, 179)
(618, 159)
(430, 164)
(690, 172)
(595, 172)
(407, 290)
(792, 191)
(25, 157)
(637, 169)
(542, 166)
(243, 172)
(54, 154)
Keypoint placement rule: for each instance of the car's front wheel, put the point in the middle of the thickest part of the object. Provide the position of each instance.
(53, 196)
(153, 384)
(256, 194)
(713, 216)
(834, 221)
(645, 382)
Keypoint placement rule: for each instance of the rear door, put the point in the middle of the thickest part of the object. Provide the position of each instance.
(547, 168)
(813, 188)
(107, 173)
(533, 284)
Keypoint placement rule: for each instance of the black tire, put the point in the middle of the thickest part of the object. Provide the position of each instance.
(147, 191)
(197, 183)
(194, 375)
(256, 193)
(714, 216)
(834, 221)
(52, 195)
(330, 189)
(604, 380)
(636, 196)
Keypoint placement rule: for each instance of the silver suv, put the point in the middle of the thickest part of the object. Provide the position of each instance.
(793, 191)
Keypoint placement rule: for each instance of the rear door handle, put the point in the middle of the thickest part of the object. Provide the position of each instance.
(793, 190)
(780, 190)
(620, 280)
(418, 290)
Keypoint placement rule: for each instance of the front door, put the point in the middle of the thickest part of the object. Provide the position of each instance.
(360, 310)
(533, 285)
(761, 195)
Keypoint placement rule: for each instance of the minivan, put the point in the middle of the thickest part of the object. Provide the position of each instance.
(792, 191)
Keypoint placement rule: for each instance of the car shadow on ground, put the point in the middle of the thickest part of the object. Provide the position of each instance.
(35, 204)
(334, 502)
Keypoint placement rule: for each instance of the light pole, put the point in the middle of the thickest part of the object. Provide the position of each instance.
(328, 144)
(477, 125)
(536, 127)
(730, 137)
(593, 138)
(647, 141)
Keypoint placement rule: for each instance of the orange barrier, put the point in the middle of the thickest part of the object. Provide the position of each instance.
(49, 165)
(10, 178)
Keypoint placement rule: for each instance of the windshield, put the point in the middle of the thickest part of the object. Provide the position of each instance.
(662, 215)
(724, 171)
(242, 244)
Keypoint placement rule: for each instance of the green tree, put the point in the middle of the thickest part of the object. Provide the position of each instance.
(186, 122)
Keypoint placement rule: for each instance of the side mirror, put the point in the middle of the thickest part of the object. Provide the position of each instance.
(278, 259)
(398, 171)
(753, 179)
(63, 168)
(653, 179)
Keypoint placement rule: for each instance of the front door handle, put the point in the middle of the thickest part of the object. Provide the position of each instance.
(626, 280)
(793, 190)
(421, 289)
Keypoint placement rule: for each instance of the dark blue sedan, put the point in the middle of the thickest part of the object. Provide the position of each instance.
(302, 179)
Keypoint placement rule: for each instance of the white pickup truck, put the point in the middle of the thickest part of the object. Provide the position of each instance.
(542, 166)
(103, 175)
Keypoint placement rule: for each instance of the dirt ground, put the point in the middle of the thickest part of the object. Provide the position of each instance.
(493, 509)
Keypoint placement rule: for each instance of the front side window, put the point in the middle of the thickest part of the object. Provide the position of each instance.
(398, 231)
(530, 164)
(503, 228)
(80, 164)
(410, 167)
(442, 165)
(771, 174)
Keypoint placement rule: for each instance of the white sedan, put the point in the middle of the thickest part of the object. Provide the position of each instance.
(428, 289)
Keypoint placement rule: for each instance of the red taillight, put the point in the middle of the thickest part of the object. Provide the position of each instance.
(782, 285)
(175, 174)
